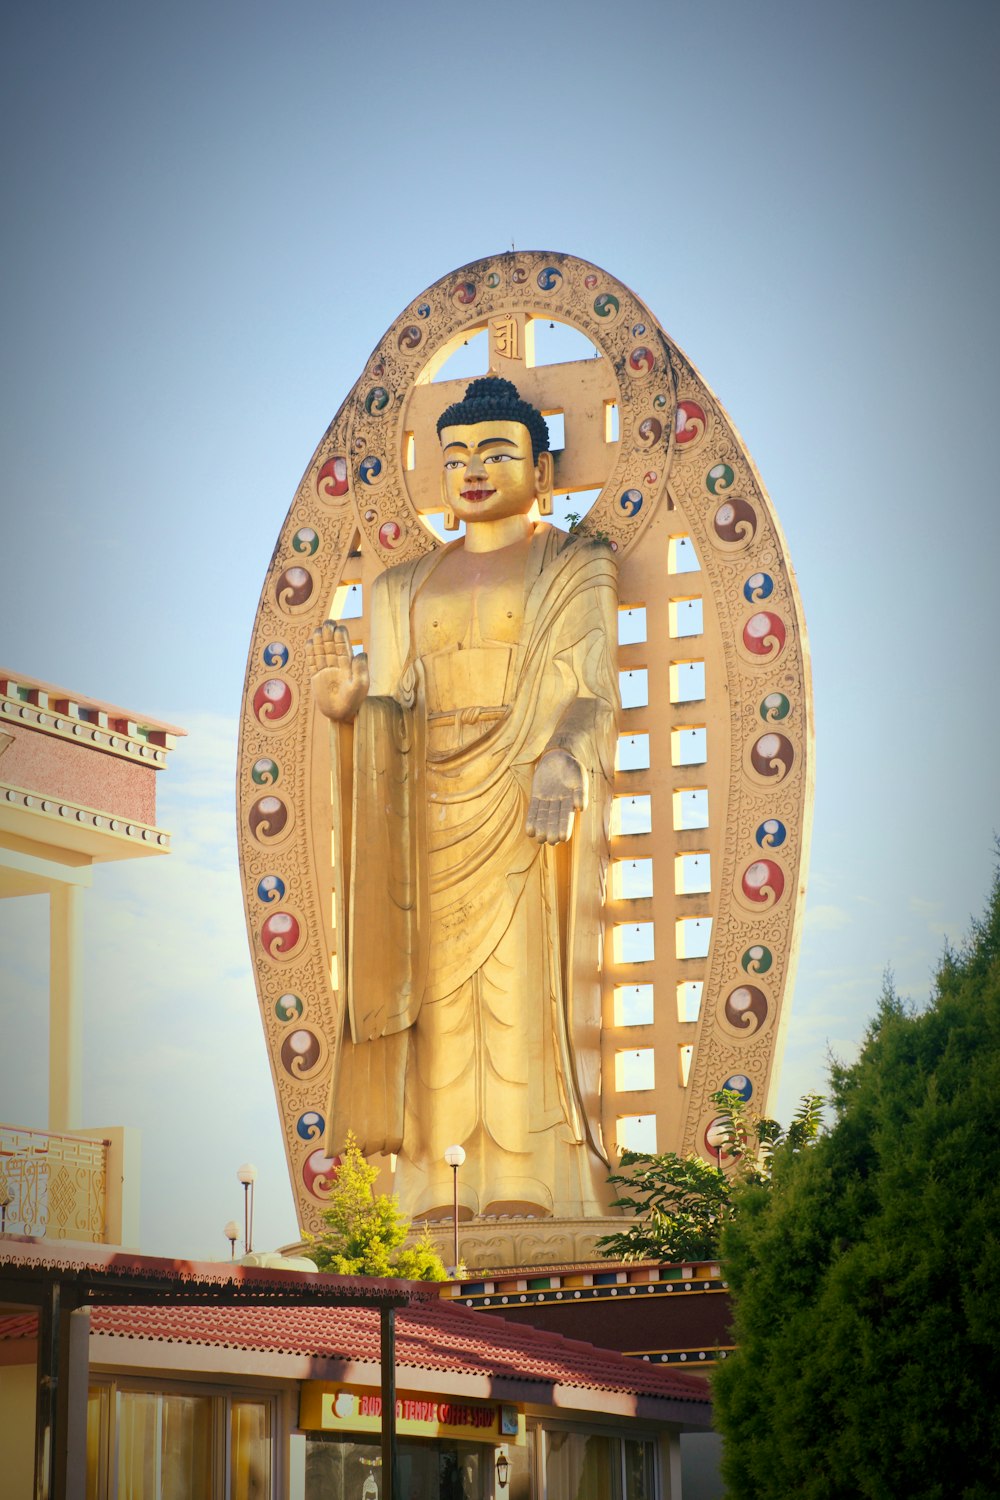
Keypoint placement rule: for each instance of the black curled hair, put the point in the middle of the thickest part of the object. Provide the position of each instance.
(493, 399)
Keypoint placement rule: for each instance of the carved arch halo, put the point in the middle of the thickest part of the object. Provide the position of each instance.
(676, 468)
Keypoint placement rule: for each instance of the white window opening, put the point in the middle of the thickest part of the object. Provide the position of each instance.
(689, 1000)
(687, 681)
(681, 556)
(633, 685)
(686, 617)
(633, 1004)
(631, 624)
(631, 815)
(634, 1070)
(692, 937)
(689, 746)
(632, 943)
(632, 753)
(691, 808)
(631, 879)
(348, 602)
(636, 1133)
(692, 873)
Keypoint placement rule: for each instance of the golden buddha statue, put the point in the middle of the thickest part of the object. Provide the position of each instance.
(475, 759)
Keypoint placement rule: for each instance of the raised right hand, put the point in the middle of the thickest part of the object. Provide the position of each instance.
(339, 678)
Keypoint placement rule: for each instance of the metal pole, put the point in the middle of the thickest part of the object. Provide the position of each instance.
(388, 1358)
(454, 1173)
(47, 1393)
(246, 1218)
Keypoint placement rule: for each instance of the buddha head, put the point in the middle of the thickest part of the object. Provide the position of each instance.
(495, 450)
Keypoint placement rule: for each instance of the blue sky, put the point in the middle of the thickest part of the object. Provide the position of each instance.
(214, 211)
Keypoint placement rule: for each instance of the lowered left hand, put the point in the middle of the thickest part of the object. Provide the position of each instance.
(558, 791)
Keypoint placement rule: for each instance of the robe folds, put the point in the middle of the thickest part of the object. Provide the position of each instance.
(470, 999)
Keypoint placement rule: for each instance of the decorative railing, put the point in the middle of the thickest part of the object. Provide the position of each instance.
(53, 1186)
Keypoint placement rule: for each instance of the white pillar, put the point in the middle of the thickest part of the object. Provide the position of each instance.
(65, 1008)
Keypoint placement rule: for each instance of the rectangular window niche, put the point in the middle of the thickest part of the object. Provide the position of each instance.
(691, 807)
(636, 1133)
(631, 879)
(630, 815)
(689, 746)
(633, 1004)
(687, 681)
(632, 943)
(632, 753)
(692, 937)
(634, 1070)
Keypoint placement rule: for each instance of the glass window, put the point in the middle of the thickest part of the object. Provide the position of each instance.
(250, 1450)
(434, 1469)
(164, 1446)
(178, 1444)
(638, 1464)
(578, 1467)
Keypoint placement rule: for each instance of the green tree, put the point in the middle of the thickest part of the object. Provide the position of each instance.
(681, 1203)
(865, 1282)
(366, 1232)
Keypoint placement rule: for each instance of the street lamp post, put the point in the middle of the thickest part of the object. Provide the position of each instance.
(247, 1174)
(455, 1156)
(232, 1233)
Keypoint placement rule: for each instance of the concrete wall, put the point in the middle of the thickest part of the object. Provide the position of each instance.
(17, 1431)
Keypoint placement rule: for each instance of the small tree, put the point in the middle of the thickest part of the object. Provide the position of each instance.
(681, 1203)
(366, 1232)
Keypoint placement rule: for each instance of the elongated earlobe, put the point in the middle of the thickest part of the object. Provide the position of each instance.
(450, 521)
(544, 477)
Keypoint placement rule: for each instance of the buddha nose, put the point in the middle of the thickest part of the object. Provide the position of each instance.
(475, 466)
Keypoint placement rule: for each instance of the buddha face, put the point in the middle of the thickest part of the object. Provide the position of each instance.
(489, 471)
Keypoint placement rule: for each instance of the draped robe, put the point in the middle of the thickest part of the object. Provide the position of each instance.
(473, 997)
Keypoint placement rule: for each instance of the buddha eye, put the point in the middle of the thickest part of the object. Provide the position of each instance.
(498, 458)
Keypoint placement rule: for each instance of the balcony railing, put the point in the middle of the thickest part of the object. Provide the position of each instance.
(53, 1186)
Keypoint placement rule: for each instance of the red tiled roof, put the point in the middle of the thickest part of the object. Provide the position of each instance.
(433, 1337)
(428, 1337)
(23, 1257)
(430, 1334)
